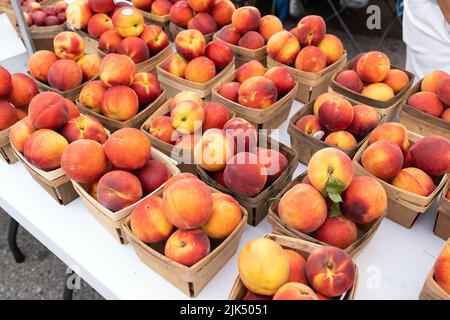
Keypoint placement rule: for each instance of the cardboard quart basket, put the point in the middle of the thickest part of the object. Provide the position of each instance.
(174, 84)
(6, 151)
(189, 280)
(269, 118)
(112, 221)
(421, 122)
(311, 84)
(135, 122)
(404, 207)
(442, 224)
(257, 206)
(365, 232)
(174, 30)
(238, 291)
(389, 108)
(306, 145)
(431, 290)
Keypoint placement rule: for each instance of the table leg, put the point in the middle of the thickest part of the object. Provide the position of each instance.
(12, 241)
(68, 293)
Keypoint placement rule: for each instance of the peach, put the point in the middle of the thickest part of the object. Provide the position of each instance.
(253, 296)
(341, 139)
(99, 24)
(310, 59)
(181, 13)
(243, 132)
(309, 124)
(90, 65)
(201, 5)
(263, 266)
(101, 6)
(180, 176)
(257, 92)
(432, 155)
(118, 189)
(175, 64)
(443, 91)
(378, 91)
(364, 120)
(153, 175)
(78, 14)
(302, 214)
(295, 291)
(336, 114)
(225, 217)
(128, 149)
(44, 148)
(65, 74)
(414, 180)
(219, 53)
(91, 95)
(145, 5)
(109, 41)
(332, 47)
(284, 47)
(68, 45)
(187, 203)
(128, 22)
(73, 111)
(155, 38)
(373, 66)
(161, 7)
(185, 96)
(322, 98)
(148, 222)
(8, 115)
(441, 267)
(230, 90)
(117, 69)
(396, 79)
(216, 115)
(19, 133)
(222, 12)
(39, 63)
(23, 90)
(269, 26)
(427, 102)
(350, 80)
(21, 113)
(229, 34)
(337, 231)
(275, 162)
(251, 40)
(354, 62)
(187, 247)
(246, 19)
(147, 87)
(187, 117)
(84, 161)
(383, 159)
(310, 30)
(391, 131)
(84, 127)
(297, 266)
(218, 177)
(250, 69)
(214, 150)
(161, 128)
(135, 48)
(190, 44)
(120, 103)
(5, 82)
(330, 271)
(203, 22)
(431, 81)
(283, 78)
(446, 115)
(200, 70)
(48, 110)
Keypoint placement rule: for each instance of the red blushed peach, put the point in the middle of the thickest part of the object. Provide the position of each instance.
(201, 5)
(101, 6)
(128, 22)
(68, 45)
(120, 103)
(181, 13)
(44, 148)
(48, 110)
(23, 90)
(310, 59)
(214, 150)
(222, 12)
(187, 247)
(84, 161)
(190, 44)
(216, 115)
(297, 267)
(148, 222)
(161, 7)
(274, 161)
(109, 41)
(91, 95)
(187, 203)
(332, 47)
(284, 47)
(302, 214)
(426, 101)
(283, 78)
(98, 24)
(245, 174)
(219, 53)
(175, 64)
(225, 217)
(250, 69)
(378, 91)
(73, 111)
(364, 120)
(118, 189)
(337, 231)
(187, 117)
(200, 70)
(180, 176)
(155, 38)
(295, 291)
(128, 149)
(147, 87)
(145, 5)
(350, 80)
(244, 134)
(309, 124)
(117, 69)
(78, 14)
(253, 296)
(5, 82)
(230, 90)
(251, 40)
(65, 74)
(21, 113)
(246, 19)
(396, 79)
(443, 91)
(8, 115)
(84, 127)
(269, 26)
(257, 92)
(161, 128)
(229, 34)
(135, 48)
(432, 155)
(153, 175)
(441, 267)
(20, 132)
(90, 65)
(218, 177)
(414, 180)
(341, 139)
(336, 114)
(330, 271)
(391, 131)
(39, 63)
(203, 22)
(373, 66)
(310, 30)
(446, 115)
(383, 159)
(432, 80)
(185, 96)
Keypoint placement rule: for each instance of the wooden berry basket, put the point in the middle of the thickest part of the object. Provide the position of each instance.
(238, 291)
(189, 280)
(442, 224)
(306, 145)
(174, 30)
(311, 84)
(6, 151)
(269, 118)
(112, 221)
(365, 231)
(421, 122)
(389, 108)
(257, 206)
(135, 122)
(174, 84)
(404, 207)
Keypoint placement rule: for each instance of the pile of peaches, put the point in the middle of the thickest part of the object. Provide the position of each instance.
(37, 15)
(391, 157)
(442, 269)
(329, 202)
(335, 119)
(195, 61)
(120, 92)
(248, 29)
(371, 76)
(307, 47)
(270, 271)
(258, 88)
(186, 217)
(434, 95)
(202, 15)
